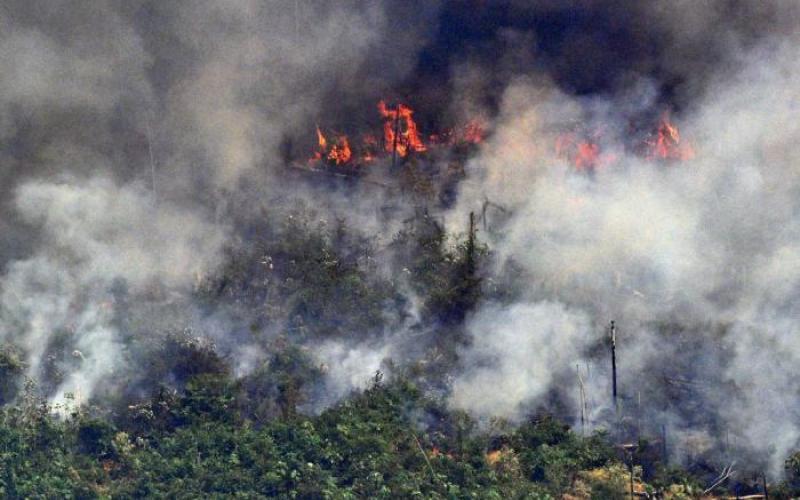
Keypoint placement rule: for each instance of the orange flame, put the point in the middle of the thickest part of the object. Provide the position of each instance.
(323, 144)
(437, 453)
(400, 134)
(407, 137)
(584, 154)
(340, 152)
(587, 156)
(667, 144)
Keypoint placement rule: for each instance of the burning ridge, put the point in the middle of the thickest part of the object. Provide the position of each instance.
(584, 148)
(400, 137)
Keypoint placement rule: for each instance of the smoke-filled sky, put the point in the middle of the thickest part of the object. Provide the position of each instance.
(135, 136)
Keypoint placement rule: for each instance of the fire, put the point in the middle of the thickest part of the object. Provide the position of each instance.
(493, 457)
(667, 144)
(322, 146)
(581, 147)
(397, 138)
(445, 138)
(437, 453)
(473, 132)
(369, 148)
(587, 156)
(583, 153)
(340, 152)
(400, 134)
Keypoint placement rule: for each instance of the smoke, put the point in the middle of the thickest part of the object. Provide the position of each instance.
(350, 368)
(95, 235)
(140, 140)
(515, 354)
(710, 244)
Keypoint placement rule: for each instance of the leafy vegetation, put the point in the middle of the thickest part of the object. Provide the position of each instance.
(369, 446)
(187, 425)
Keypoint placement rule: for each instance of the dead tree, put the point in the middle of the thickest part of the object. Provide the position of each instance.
(471, 237)
(396, 135)
(152, 159)
(723, 476)
(613, 334)
(583, 400)
(486, 205)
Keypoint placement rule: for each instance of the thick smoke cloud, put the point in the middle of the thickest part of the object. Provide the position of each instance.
(136, 136)
(515, 354)
(94, 235)
(710, 244)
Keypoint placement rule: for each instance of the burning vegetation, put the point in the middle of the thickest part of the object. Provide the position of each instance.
(666, 143)
(400, 137)
(586, 150)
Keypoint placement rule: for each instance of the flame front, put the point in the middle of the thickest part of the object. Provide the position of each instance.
(323, 144)
(397, 138)
(341, 152)
(400, 134)
(584, 151)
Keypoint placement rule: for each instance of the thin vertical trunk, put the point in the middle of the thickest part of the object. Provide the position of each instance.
(613, 330)
(396, 135)
(583, 400)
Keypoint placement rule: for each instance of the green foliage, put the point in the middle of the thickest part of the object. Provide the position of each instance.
(280, 385)
(388, 442)
(444, 271)
(186, 427)
(308, 277)
(790, 487)
(549, 452)
(94, 437)
(11, 370)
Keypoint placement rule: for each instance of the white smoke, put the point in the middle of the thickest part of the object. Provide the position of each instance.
(712, 240)
(99, 99)
(95, 233)
(515, 354)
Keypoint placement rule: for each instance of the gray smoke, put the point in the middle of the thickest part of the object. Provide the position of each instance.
(710, 243)
(137, 135)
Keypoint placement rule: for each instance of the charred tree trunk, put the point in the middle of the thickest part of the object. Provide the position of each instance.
(396, 136)
(471, 247)
(613, 332)
(583, 401)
